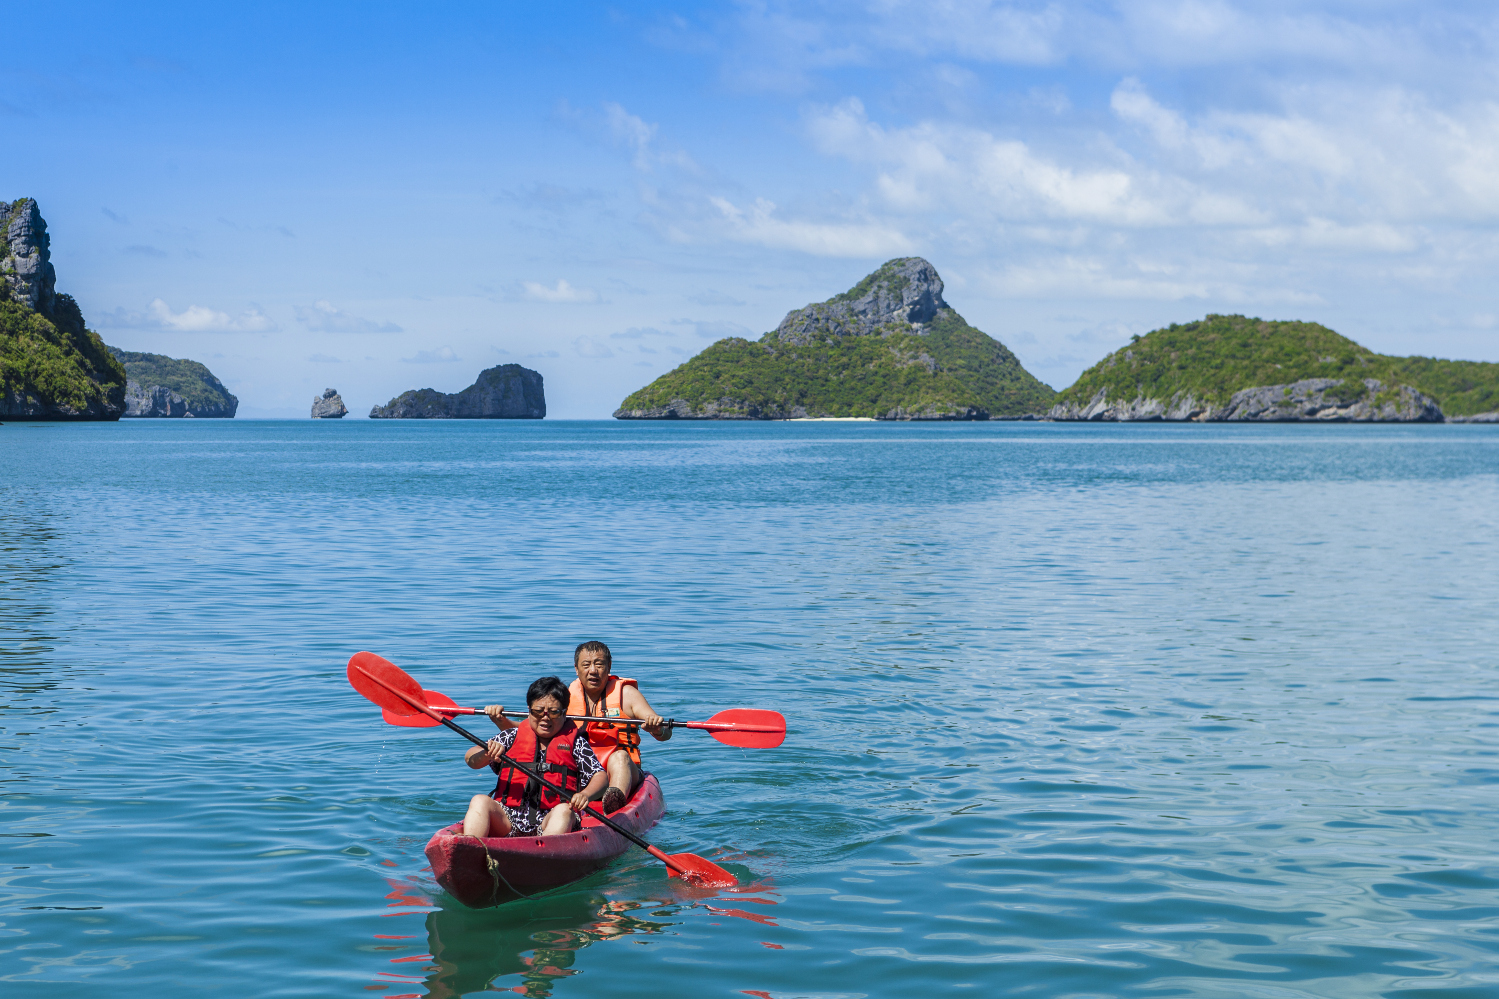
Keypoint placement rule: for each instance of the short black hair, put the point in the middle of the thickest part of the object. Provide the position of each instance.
(547, 686)
(594, 646)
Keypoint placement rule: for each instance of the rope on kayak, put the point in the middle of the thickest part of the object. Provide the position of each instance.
(495, 872)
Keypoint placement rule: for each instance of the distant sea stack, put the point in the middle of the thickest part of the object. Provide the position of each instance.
(161, 386)
(505, 392)
(329, 407)
(52, 367)
(890, 348)
(1236, 369)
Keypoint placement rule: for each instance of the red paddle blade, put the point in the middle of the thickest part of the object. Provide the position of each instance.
(432, 699)
(362, 663)
(753, 728)
(697, 871)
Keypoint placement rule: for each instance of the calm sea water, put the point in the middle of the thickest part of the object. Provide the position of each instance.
(1075, 711)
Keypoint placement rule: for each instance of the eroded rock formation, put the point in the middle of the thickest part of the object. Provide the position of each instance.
(330, 406)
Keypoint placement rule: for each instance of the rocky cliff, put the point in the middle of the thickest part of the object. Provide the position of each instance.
(889, 348)
(161, 386)
(1238, 369)
(506, 392)
(329, 407)
(52, 367)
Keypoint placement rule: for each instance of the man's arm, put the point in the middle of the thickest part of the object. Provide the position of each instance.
(636, 706)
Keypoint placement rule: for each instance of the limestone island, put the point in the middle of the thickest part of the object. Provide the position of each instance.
(52, 366)
(166, 387)
(889, 348)
(1238, 369)
(504, 392)
(330, 406)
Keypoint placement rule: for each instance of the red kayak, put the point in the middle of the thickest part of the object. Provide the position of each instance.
(484, 872)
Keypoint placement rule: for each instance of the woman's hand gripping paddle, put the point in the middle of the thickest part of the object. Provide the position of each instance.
(749, 728)
(400, 696)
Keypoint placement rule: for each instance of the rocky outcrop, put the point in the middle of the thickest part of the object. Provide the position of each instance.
(739, 409)
(714, 409)
(153, 401)
(1331, 400)
(1326, 400)
(904, 293)
(329, 407)
(1475, 418)
(166, 387)
(505, 392)
(26, 256)
(52, 367)
(1102, 409)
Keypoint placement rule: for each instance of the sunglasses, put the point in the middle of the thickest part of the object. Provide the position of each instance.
(546, 712)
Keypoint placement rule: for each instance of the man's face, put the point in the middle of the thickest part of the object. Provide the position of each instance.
(593, 670)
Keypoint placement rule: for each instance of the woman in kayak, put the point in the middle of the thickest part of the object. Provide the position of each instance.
(549, 744)
(617, 747)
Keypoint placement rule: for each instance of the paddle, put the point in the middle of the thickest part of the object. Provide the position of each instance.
(394, 690)
(749, 728)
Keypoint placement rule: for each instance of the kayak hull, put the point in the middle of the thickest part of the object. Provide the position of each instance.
(498, 869)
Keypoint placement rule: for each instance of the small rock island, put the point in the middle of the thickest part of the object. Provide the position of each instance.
(330, 406)
(504, 392)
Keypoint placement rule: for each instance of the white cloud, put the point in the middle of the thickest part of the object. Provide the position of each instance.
(757, 224)
(322, 316)
(637, 134)
(193, 319)
(942, 166)
(716, 329)
(442, 355)
(639, 332)
(589, 346)
(561, 292)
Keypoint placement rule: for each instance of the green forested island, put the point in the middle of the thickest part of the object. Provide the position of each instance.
(889, 348)
(52, 367)
(1235, 368)
(165, 386)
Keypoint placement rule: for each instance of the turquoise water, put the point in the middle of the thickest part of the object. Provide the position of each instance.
(1075, 711)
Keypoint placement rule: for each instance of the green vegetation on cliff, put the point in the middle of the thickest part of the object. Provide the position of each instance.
(189, 379)
(1212, 359)
(47, 369)
(854, 376)
(889, 348)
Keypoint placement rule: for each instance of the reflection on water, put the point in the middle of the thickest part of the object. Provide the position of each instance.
(468, 950)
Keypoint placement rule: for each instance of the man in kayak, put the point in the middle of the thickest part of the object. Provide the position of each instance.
(598, 694)
(549, 744)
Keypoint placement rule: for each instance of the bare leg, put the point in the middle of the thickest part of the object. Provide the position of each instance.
(485, 818)
(623, 772)
(558, 820)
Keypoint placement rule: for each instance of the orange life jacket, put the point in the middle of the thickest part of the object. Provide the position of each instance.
(514, 787)
(603, 737)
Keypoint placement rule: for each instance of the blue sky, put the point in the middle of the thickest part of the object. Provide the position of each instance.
(378, 197)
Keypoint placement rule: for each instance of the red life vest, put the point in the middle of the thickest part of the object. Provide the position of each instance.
(514, 788)
(603, 737)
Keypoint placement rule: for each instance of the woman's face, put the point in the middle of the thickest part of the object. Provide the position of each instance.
(546, 717)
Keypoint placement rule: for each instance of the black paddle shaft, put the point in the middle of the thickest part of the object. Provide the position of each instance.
(536, 776)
